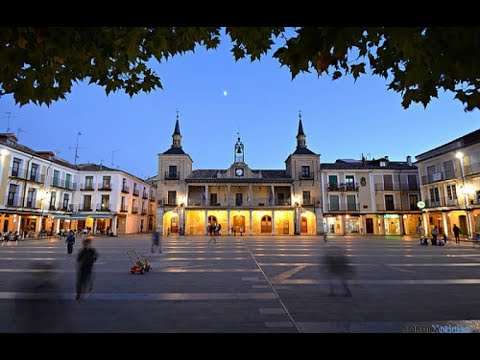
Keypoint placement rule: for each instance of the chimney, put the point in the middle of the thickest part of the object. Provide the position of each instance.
(409, 160)
(386, 157)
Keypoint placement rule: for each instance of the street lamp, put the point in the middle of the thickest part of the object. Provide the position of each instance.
(459, 155)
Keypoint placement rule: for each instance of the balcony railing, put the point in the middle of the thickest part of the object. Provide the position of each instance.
(105, 186)
(103, 207)
(86, 187)
(64, 184)
(124, 208)
(342, 207)
(86, 207)
(135, 192)
(472, 169)
(396, 187)
(37, 178)
(153, 198)
(244, 202)
(343, 187)
(144, 212)
(303, 176)
(134, 209)
(438, 176)
(170, 202)
(125, 189)
(17, 172)
(172, 175)
(441, 202)
(144, 196)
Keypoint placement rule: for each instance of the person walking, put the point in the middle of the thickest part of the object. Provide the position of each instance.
(434, 235)
(456, 232)
(155, 242)
(420, 232)
(85, 259)
(70, 241)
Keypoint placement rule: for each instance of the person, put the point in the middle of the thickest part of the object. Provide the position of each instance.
(85, 259)
(456, 232)
(70, 241)
(155, 242)
(339, 270)
(434, 235)
(445, 238)
(212, 234)
(325, 237)
(420, 232)
(241, 230)
(168, 232)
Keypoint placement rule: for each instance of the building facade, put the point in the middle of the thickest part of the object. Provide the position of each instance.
(376, 197)
(41, 192)
(450, 186)
(242, 200)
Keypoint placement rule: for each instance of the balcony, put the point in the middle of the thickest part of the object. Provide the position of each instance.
(103, 207)
(441, 202)
(396, 187)
(144, 212)
(472, 169)
(104, 186)
(135, 192)
(438, 176)
(86, 187)
(342, 207)
(134, 209)
(64, 184)
(172, 175)
(170, 202)
(125, 189)
(17, 172)
(86, 207)
(343, 187)
(305, 176)
(123, 208)
(37, 178)
(263, 201)
(144, 196)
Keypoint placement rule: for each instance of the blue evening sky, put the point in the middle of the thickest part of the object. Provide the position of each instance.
(341, 119)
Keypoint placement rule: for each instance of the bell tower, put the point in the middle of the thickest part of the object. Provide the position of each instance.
(239, 155)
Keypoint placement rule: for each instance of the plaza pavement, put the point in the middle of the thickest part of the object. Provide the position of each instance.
(244, 285)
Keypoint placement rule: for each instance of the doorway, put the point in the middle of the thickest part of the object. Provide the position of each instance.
(266, 225)
(174, 225)
(238, 222)
(369, 225)
(463, 224)
(303, 225)
(286, 228)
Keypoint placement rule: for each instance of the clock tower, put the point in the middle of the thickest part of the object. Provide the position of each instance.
(239, 155)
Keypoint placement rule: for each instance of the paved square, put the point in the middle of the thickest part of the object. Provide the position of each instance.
(245, 284)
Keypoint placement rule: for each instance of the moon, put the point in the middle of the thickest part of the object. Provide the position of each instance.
(225, 93)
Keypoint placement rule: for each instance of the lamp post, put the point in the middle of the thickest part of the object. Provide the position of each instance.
(459, 155)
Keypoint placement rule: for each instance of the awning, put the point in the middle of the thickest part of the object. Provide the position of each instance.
(100, 216)
(78, 217)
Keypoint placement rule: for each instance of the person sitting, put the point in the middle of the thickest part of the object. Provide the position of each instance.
(441, 242)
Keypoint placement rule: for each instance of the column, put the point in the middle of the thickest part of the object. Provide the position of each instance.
(297, 222)
(445, 223)
(250, 213)
(206, 222)
(382, 225)
(425, 224)
(95, 226)
(402, 225)
(57, 228)
(228, 196)
(364, 224)
(273, 222)
(159, 220)
(319, 220)
(228, 222)
(206, 201)
(250, 198)
(343, 219)
(271, 196)
(115, 220)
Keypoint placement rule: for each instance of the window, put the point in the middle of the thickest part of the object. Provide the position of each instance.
(389, 203)
(213, 199)
(134, 208)
(16, 167)
(53, 200)
(334, 203)
(448, 169)
(351, 203)
(106, 182)
(34, 172)
(172, 172)
(68, 181)
(238, 199)
(56, 178)
(306, 198)
(88, 182)
(383, 163)
(412, 182)
(66, 200)
(332, 182)
(172, 198)
(31, 198)
(387, 182)
(87, 202)
(11, 195)
(434, 197)
(104, 206)
(123, 206)
(413, 199)
(306, 172)
(452, 192)
(124, 185)
(430, 172)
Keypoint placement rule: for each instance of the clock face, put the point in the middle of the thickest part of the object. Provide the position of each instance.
(239, 172)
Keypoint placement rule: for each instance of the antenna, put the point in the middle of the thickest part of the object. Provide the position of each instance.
(19, 130)
(76, 148)
(113, 152)
(8, 117)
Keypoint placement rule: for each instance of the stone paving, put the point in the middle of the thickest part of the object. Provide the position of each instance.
(245, 284)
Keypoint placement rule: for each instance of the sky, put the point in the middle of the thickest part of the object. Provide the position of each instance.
(217, 97)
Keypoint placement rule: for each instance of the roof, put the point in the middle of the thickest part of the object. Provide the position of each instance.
(211, 174)
(303, 151)
(350, 164)
(94, 167)
(174, 151)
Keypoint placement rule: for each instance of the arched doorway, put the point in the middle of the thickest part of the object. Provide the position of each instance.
(266, 225)
(238, 222)
(303, 224)
(174, 224)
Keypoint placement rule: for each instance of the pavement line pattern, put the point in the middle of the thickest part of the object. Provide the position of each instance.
(285, 275)
(139, 296)
(387, 282)
(273, 289)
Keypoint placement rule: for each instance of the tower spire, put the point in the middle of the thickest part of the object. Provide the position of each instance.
(301, 137)
(239, 154)
(177, 137)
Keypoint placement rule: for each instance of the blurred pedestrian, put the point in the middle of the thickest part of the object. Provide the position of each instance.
(456, 232)
(156, 242)
(70, 241)
(85, 259)
(39, 306)
(339, 270)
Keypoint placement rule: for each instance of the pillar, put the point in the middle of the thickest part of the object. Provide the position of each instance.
(273, 222)
(445, 223)
(250, 213)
